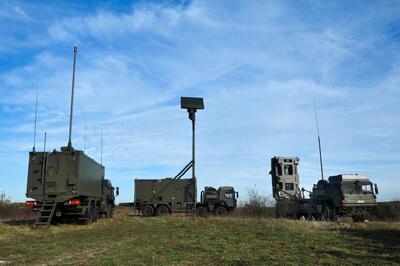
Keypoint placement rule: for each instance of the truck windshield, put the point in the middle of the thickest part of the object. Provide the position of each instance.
(229, 195)
(356, 188)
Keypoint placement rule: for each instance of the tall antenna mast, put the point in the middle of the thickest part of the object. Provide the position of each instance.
(101, 144)
(319, 141)
(34, 130)
(84, 138)
(44, 159)
(72, 98)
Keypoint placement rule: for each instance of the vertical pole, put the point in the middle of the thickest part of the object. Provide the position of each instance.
(193, 159)
(72, 98)
(193, 145)
(101, 145)
(101, 150)
(34, 130)
(319, 142)
(192, 116)
(320, 158)
(84, 138)
(44, 158)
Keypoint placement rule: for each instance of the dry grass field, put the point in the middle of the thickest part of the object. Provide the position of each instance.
(183, 240)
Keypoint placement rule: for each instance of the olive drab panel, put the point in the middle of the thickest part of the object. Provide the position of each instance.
(285, 177)
(67, 173)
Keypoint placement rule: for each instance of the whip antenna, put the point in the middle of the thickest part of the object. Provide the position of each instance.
(84, 138)
(101, 144)
(72, 98)
(319, 141)
(34, 130)
(44, 159)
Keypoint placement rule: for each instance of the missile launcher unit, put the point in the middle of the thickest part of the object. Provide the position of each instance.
(340, 196)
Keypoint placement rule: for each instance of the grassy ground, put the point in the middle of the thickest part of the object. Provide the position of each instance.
(196, 241)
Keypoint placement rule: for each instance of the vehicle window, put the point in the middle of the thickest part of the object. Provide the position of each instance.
(356, 187)
(229, 195)
(366, 188)
(288, 169)
(289, 186)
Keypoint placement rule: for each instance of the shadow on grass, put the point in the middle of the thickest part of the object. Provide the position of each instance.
(383, 244)
(19, 222)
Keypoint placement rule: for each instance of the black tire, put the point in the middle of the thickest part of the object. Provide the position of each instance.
(202, 211)
(162, 210)
(147, 210)
(96, 213)
(109, 211)
(220, 210)
(92, 215)
(88, 218)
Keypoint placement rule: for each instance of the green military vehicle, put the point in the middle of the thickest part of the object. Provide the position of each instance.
(67, 185)
(339, 196)
(158, 197)
(344, 196)
(176, 195)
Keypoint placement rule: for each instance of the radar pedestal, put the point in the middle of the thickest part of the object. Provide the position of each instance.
(192, 104)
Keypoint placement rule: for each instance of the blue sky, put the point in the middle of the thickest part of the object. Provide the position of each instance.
(258, 65)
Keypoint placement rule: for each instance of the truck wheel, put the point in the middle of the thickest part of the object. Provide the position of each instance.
(91, 214)
(147, 210)
(111, 211)
(219, 210)
(162, 210)
(202, 211)
(88, 217)
(96, 213)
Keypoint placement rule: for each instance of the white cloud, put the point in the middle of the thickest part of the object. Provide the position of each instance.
(258, 69)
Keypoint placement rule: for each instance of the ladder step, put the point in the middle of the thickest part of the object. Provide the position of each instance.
(47, 211)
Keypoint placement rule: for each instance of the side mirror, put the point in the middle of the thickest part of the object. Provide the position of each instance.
(117, 192)
(237, 195)
(376, 188)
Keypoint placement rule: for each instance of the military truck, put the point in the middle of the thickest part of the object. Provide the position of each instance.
(340, 196)
(158, 197)
(175, 195)
(69, 186)
(345, 195)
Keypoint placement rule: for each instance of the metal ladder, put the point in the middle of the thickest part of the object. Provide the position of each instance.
(46, 211)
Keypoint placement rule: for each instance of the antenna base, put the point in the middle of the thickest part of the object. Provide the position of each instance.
(67, 148)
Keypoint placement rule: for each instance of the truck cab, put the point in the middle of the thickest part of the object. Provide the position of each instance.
(225, 196)
(352, 191)
(219, 201)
